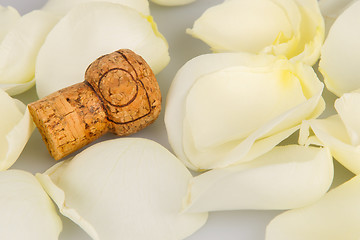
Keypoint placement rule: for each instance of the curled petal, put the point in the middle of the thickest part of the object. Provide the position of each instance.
(215, 118)
(124, 189)
(341, 53)
(26, 211)
(335, 216)
(16, 129)
(19, 49)
(339, 132)
(91, 30)
(293, 28)
(285, 177)
(61, 7)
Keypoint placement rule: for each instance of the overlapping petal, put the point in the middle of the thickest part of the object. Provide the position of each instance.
(16, 128)
(340, 53)
(293, 28)
(285, 177)
(335, 216)
(26, 211)
(61, 7)
(19, 47)
(91, 30)
(222, 106)
(124, 189)
(340, 133)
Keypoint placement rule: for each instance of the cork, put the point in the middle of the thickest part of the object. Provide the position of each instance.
(120, 94)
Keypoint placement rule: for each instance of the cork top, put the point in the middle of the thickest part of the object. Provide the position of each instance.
(128, 89)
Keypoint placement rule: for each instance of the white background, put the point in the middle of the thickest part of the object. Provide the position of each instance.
(172, 22)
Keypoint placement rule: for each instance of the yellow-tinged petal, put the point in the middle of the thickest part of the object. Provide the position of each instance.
(89, 31)
(292, 28)
(335, 216)
(285, 177)
(126, 188)
(26, 211)
(16, 127)
(249, 25)
(216, 114)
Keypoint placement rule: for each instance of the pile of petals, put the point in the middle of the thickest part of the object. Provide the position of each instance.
(45, 47)
(228, 111)
(228, 116)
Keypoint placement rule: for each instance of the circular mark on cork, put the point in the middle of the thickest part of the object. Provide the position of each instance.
(118, 87)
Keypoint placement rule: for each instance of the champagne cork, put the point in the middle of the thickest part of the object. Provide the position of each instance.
(120, 94)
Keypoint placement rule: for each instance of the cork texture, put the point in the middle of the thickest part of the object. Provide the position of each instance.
(69, 119)
(128, 88)
(120, 94)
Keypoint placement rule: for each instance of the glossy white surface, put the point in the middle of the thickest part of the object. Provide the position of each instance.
(172, 22)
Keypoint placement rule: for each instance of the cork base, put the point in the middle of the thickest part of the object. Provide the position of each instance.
(69, 119)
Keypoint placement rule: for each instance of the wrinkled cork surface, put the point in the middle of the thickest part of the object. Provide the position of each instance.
(120, 94)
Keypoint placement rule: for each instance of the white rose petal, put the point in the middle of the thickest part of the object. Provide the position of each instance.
(8, 17)
(26, 211)
(286, 177)
(340, 133)
(19, 48)
(16, 128)
(335, 216)
(89, 31)
(172, 2)
(221, 106)
(124, 189)
(292, 28)
(340, 54)
(331, 9)
(61, 7)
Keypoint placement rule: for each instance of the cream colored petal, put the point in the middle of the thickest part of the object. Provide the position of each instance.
(172, 2)
(332, 133)
(19, 49)
(17, 88)
(335, 216)
(16, 129)
(312, 33)
(222, 117)
(249, 25)
(182, 83)
(286, 177)
(226, 105)
(61, 7)
(331, 9)
(341, 53)
(124, 189)
(89, 31)
(292, 28)
(348, 109)
(26, 211)
(8, 17)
